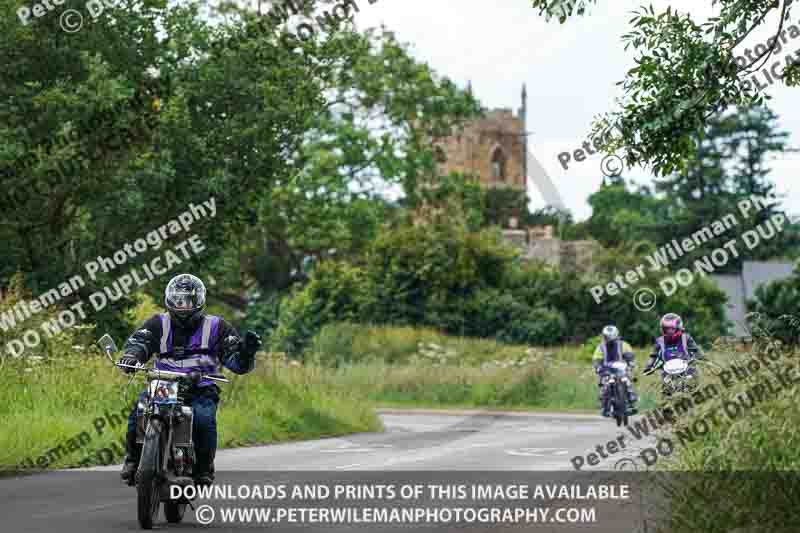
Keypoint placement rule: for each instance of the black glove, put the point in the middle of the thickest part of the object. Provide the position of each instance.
(128, 360)
(251, 344)
(231, 345)
(138, 344)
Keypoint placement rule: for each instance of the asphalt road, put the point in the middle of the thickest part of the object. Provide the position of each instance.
(95, 500)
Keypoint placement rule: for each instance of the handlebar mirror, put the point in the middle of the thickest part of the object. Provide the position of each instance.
(108, 345)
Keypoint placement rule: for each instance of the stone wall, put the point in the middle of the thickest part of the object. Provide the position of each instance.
(471, 149)
(566, 256)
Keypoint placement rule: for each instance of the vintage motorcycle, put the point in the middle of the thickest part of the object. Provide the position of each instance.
(164, 428)
(617, 379)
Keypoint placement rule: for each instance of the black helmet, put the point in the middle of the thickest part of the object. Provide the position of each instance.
(185, 299)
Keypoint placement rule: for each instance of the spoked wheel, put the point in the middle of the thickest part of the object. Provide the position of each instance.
(148, 479)
(174, 511)
(620, 404)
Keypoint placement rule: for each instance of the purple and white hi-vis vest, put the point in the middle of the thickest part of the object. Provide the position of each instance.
(666, 355)
(604, 349)
(196, 356)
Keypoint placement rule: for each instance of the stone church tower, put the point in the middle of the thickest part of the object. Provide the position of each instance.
(493, 148)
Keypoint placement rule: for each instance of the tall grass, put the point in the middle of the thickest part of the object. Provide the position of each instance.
(745, 467)
(80, 403)
(420, 367)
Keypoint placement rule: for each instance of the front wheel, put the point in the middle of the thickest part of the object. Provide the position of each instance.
(620, 404)
(148, 476)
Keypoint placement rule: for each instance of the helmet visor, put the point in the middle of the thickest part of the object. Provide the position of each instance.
(185, 295)
(184, 301)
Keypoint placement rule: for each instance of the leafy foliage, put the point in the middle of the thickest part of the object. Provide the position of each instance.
(156, 106)
(730, 167)
(686, 73)
(776, 309)
(469, 284)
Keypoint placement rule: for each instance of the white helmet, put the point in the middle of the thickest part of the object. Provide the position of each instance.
(610, 333)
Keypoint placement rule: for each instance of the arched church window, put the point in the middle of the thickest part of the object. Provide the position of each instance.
(498, 165)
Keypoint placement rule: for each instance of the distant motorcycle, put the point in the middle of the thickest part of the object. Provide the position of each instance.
(678, 376)
(618, 381)
(164, 427)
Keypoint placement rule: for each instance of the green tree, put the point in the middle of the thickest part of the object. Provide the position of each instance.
(153, 107)
(621, 214)
(686, 72)
(134, 117)
(731, 165)
(381, 109)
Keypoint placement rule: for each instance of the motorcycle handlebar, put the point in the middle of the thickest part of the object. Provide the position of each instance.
(168, 375)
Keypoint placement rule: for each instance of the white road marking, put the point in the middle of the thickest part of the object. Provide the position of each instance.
(537, 452)
(348, 450)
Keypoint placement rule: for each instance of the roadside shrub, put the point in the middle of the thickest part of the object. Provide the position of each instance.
(336, 292)
(494, 313)
(417, 267)
(701, 304)
(744, 467)
(471, 284)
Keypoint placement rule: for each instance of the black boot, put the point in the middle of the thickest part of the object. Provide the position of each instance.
(131, 463)
(128, 473)
(205, 478)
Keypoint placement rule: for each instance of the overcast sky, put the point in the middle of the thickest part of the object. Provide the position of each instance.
(570, 71)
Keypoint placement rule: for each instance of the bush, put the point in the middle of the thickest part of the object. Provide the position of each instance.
(749, 460)
(494, 313)
(336, 292)
(701, 305)
(776, 309)
(470, 284)
(418, 267)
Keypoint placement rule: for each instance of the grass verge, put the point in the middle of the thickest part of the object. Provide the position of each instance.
(68, 411)
(735, 465)
(418, 367)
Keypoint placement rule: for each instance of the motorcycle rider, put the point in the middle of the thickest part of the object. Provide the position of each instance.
(186, 339)
(613, 348)
(674, 342)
